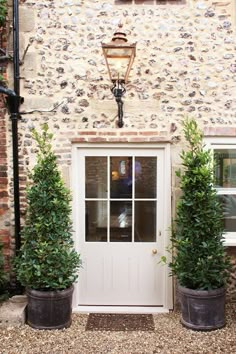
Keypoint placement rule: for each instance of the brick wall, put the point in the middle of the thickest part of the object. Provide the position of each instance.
(5, 235)
(4, 198)
(231, 291)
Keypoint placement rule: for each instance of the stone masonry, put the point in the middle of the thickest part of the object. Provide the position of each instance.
(4, 201)
(185, 65)
(5, 212)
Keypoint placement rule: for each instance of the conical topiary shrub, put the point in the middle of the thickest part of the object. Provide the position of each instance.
(47, 260)
(199, 263)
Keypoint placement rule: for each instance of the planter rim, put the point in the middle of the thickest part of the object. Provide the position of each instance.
(47, 293)
(186, 290)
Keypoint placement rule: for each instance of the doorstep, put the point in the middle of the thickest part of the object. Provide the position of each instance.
(12, 311)
(120, 309)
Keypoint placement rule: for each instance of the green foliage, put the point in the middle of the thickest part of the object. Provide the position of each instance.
(3, 12)
(2, 79)
(47, 259)
(199, 259)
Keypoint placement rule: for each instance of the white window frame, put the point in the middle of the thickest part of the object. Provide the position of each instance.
(225, 143)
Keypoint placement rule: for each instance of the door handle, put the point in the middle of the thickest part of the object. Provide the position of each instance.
(154, 251)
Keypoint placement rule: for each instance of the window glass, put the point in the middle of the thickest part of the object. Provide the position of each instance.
(121, 221)
(225, 168)
(120, 198)
(145, 221)
(225, 183)
(121, 177)
(229, 210)
(96, 177)
(96, 221)
(145, 177)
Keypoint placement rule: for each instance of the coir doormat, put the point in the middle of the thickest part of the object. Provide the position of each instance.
(119, 322)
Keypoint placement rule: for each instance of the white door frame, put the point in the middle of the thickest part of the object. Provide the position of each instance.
(168, 283)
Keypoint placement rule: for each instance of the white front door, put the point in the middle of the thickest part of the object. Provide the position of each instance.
(120, 221)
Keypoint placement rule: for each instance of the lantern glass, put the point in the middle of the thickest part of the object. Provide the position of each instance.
(119, 58)
(119, 52)
(118, 69)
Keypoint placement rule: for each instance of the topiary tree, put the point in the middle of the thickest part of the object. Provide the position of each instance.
(199, 260)
(47, 260)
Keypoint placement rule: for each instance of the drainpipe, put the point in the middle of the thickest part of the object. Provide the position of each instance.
(14, 100)
(16, 59)
(14, 118)
(13, 103)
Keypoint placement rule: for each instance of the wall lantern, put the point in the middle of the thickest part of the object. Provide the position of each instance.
(119, 56)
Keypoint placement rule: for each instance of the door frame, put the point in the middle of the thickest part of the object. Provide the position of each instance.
(168, 282)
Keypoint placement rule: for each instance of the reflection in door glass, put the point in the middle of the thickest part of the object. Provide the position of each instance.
(121, 177)
(96, 176)
(145, 177)
(96, 221)
(145, 221)
(121, 222)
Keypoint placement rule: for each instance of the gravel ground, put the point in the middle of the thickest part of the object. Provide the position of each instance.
(169, 336)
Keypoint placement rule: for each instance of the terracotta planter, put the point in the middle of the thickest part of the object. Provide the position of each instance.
(49, 309)
(202, 309)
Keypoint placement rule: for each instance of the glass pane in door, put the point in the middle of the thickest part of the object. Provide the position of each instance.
(96, 177)
(121, 177)
(145, 221)
(145, 177)
(96, 221)
(120, 221)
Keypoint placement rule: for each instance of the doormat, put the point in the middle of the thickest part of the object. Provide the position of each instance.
(119, 322)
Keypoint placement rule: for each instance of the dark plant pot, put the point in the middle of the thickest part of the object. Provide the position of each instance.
(202, 309)
(49, 309)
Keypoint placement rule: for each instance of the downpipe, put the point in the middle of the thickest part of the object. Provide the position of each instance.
(13, 105)
(14, 101)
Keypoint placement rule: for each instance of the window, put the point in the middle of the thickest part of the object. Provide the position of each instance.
(121, 198)
(224, 152)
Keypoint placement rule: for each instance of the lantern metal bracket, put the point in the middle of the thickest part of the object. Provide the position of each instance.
(118, 91)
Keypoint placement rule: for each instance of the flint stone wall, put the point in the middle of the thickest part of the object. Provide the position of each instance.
(185, 65)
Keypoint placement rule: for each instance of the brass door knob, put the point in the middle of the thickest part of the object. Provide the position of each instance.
(154, 251)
